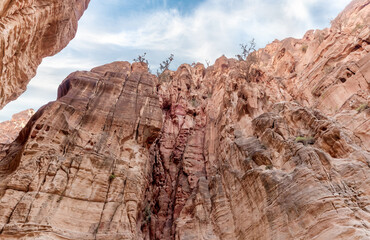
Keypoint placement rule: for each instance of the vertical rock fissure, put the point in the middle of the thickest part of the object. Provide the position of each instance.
(84, 116)
(110, 116)
(250, 160)
(102, 211)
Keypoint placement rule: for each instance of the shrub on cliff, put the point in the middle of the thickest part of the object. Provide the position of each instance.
(362, 107)
(162, 73)
(247, 49)
(305, 140)
(141, 59)
(165, 65)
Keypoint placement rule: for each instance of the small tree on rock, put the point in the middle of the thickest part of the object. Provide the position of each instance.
(247, 49)
(141, 59)
(165, 65)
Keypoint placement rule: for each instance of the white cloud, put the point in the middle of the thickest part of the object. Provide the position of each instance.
(214, 28)
(297, 10)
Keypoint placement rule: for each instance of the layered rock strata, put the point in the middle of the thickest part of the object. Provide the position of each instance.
(236, 160)
(29, 31)
(274, 147)
(78, 169)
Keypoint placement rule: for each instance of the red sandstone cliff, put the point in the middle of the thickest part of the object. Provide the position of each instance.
(78, 169)
(275, 147)
(29, 31)
(10, 129)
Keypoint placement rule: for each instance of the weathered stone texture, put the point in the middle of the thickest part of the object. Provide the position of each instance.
(29, 31)
(274, 147)
(10, 129)
(81, 162)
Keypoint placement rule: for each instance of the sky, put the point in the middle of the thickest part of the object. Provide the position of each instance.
(192, 30)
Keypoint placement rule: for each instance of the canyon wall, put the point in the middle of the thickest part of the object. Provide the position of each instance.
(29, 31)
(78, 169)
(273, 147)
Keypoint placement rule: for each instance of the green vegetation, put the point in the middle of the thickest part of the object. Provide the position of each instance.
(362, 107)
(147, 214)
(269, 167)
(112, 176)
(305, 140)
(304, 48)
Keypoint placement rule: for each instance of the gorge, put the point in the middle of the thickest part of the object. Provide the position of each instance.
(273, 147)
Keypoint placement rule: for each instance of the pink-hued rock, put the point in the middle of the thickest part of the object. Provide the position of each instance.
(274, 147)
(9, 130)
(326, 67)
(78, 169)
(247, 151)
(29, 31)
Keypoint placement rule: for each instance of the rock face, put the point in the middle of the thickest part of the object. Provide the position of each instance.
(10, 129)
(29, 31)
(274, 147)
(78, 169)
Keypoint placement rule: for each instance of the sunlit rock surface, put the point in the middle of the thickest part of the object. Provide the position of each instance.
(10, 129)
(274, 147)
(78, 169)
(29, 31)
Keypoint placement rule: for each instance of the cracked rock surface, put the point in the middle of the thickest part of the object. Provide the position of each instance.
(274, 147)
(10, 129)
(29, 31)
(81, 162)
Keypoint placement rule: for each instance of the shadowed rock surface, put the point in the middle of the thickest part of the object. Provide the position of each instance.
(274, 147)
(29, 31)
(81, 162)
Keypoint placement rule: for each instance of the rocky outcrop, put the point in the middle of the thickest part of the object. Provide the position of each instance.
(327, 69)
(238, 159)
(78, 169)
(29, 31)
(10, 129)
(239, 150)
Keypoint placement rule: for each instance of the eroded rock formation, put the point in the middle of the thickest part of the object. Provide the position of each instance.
(29, 31)
(274, 147)
(10, 129)
(81, 161)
